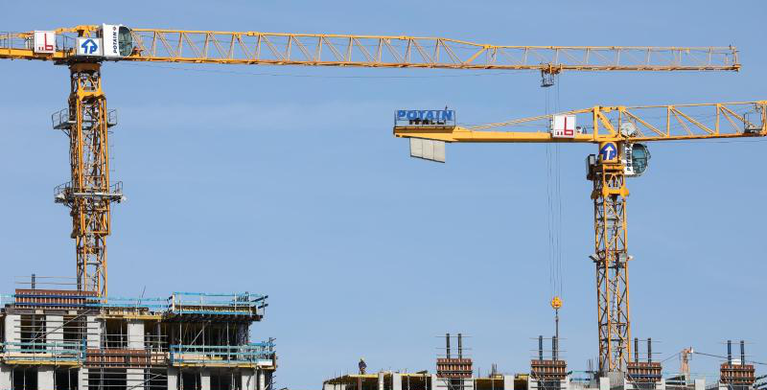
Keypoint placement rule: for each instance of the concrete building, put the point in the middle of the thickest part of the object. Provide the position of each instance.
(419, 381)
(74, 340)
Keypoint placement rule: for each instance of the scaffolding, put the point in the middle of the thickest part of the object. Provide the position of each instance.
(53, 339)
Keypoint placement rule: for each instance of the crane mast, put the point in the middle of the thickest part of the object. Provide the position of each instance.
(618, 131)
(611, 260)
(89, 194)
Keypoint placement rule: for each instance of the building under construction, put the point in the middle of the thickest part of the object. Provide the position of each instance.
(69, 339)
(548, 371)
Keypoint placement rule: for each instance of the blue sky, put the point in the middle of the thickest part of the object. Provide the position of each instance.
(294, 187)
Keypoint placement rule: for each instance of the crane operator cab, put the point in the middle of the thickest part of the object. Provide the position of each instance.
(635, 156)
(112, 42)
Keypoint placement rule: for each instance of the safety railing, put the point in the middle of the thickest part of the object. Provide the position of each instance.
(56, 351)
(236, 354)
(180, 303)
(217, 304)
(25, 41)
(152, 304)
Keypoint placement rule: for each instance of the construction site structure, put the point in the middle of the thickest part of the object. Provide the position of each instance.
(76, 340)
(387, 380)
(621, 134)
(644, 374)
(453, 372)
(90, 191)
(735, 374)
(548, 372)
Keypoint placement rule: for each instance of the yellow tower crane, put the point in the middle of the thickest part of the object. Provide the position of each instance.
(620, 132)
(86, 121)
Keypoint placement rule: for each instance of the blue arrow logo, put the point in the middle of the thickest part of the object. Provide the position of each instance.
(89, 46)
(608, 152)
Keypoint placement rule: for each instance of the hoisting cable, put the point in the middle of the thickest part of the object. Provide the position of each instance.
(554, 211)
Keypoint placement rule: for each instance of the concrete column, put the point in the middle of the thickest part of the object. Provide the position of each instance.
(604, 383)
(434, 382)
(396, 382)
(172, 379)
(205, 380)
(381, 377)
(135, 334)
(93, 332)
(700, 384)
(82, 379)
(508, 382)
(12, 328)
(661, 385)
(5, 377)
(532, 384)
(134, 378)
(45, 378)
(248, 380)
(54, 328)
(54, 332)
(261, 380)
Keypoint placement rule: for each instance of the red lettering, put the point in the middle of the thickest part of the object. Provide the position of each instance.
(46, 45)
(568, 132)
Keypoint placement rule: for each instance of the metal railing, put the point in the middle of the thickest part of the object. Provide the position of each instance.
(205, 303)
(202, 354)
(179, 303)
(58, 351)
(61, 120)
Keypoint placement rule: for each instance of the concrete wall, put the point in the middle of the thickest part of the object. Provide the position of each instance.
(5, 377)
(396, 382)
(93, 332)
(604, 383)
(54, 331)
(45, 378)
(508, 382)
(172, 378)
(82, 379)
(205, 380)
(134, 378)
(135, 334)
(248, 380)
(12, 326)
(261, 380)
(328, 386)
